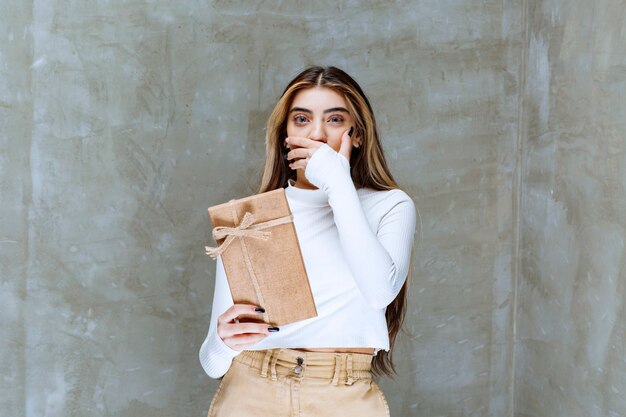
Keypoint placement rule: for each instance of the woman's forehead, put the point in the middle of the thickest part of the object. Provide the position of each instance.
(318, 98)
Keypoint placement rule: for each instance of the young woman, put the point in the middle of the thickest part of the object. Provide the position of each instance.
(355, 228)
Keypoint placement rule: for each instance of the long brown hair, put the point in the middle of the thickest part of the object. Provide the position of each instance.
(368, 167)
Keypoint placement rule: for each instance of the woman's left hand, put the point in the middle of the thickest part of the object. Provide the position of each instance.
(302, 149)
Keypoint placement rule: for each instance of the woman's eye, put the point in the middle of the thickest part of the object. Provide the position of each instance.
(300, 119)
(336, 119)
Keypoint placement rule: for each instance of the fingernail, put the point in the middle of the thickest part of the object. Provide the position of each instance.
(273, 329)
(259, 310)
(351, 130)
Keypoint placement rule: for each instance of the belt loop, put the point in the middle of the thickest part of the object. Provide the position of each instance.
(273, 367)
(266, 360)
(337, 369)
(349, 379)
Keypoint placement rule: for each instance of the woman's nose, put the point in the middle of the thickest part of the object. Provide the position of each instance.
(317, 132)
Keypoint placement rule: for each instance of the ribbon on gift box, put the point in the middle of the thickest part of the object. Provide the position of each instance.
(245, 228)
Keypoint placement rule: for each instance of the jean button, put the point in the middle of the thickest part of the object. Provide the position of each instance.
(298, 368)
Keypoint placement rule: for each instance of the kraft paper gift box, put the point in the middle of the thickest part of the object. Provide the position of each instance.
(262, 259)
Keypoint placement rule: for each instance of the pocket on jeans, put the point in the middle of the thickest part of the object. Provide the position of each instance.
(381, 396)
(218, 392)
(216, 396)
(369, 400)
(242, 394)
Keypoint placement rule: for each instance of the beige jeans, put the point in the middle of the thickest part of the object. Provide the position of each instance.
(290, 383)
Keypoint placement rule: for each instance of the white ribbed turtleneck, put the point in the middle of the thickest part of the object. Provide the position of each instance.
(316, 197)
(356, 246)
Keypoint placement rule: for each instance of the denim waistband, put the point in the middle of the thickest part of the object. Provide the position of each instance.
(332, 366)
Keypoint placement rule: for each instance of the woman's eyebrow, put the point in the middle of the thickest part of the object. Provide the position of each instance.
(335, 109)
(331, 110)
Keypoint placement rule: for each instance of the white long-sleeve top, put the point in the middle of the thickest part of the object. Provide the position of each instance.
(356, 246)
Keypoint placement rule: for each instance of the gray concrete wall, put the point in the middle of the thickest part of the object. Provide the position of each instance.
(121, 122)
(571, 339)
(16, 108)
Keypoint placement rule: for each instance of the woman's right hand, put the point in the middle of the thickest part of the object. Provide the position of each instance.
(239, 336)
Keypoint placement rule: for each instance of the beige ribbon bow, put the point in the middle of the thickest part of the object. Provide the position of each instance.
(244, 229)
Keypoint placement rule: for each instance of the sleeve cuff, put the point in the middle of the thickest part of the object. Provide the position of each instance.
(221, 348)
(325, 166)
(216, 356)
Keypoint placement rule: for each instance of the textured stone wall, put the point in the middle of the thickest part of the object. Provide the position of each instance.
(16, 108)
(571, 339)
